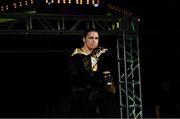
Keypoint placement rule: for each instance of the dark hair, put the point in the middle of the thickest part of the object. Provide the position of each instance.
(88, 30)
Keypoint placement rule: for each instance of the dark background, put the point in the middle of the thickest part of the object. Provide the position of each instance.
(31, 84)
(34, 77)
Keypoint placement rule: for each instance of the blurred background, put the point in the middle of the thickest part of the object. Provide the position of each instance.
(33, 67)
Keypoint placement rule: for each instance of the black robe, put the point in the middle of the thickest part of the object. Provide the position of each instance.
(87, 86)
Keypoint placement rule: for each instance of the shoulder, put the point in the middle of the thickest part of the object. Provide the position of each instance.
(78, 51)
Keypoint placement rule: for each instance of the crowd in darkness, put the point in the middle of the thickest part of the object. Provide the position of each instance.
(160, 78)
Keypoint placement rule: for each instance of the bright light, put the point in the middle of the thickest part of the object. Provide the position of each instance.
(26, 3)
(97, 1)
(49, 3)
(15, 6)
(87, 2)
(20, 4)
(96, 5)
(32, 2)
(92, 1)
(81, 2)
(77, 1)
(6, 7)
(2, 8)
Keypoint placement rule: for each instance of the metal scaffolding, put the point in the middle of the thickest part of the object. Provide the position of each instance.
(126, 28)
(129, 69)
(30, 23)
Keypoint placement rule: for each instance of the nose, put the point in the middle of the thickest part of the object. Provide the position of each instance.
(93, 40)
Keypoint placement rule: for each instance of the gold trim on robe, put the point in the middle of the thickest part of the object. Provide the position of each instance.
(110, 88)
(78, 51)
(93, 60)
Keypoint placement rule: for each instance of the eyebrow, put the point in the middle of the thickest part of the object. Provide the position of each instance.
(92, 37)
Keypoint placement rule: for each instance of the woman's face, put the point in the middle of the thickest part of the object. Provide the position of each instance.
(91, 40)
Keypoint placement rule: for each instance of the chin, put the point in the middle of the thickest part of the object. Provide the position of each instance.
(95, 47)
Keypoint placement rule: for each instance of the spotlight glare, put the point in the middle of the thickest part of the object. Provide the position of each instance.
(7, 7)
(49, 3)
(2, 8)
(96, 5)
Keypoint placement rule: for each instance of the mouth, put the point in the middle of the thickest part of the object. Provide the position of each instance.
(94, 45)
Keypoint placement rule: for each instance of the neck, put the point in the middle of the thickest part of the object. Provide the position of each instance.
(86, 50)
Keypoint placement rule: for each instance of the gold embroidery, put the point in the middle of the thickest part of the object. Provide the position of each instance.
(94, 63)
(78, 51)
(93, 60)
